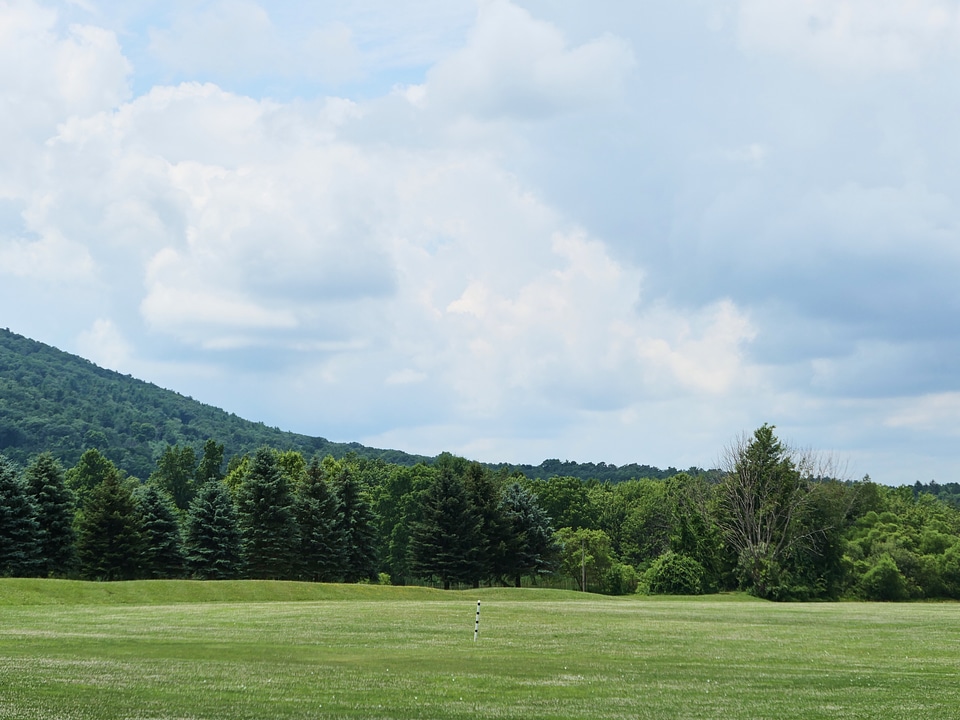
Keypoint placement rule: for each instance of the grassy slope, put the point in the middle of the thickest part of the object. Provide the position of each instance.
(375, 652)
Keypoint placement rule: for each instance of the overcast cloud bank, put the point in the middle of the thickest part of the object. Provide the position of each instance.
(512, 230)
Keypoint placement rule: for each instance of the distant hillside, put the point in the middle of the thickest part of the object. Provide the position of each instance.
(51, 400)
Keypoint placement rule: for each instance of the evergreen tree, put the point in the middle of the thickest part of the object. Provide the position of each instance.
(356, 526)
(91, 469)
(162, 543)
(269, 534)
(175, 473)
(55, 514)
(322, 547)
(212, 537)
(211, 464)
(445, 543)
(493, 534)
(19, 529)
(109, 543)
(531, 547)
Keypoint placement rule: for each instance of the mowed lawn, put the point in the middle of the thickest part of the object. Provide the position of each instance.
(285, 650)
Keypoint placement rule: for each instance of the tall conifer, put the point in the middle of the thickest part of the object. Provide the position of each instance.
(55, 514)
(162, 543)
(322, 550)
(109, 543)
(269, 534)
(19, 529)
(212, 537)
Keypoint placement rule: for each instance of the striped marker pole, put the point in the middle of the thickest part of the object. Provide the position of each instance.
(476, 626)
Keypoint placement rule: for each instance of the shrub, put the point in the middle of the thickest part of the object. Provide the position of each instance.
(884, 581)
(675, 574)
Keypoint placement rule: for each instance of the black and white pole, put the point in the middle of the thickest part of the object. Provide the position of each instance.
(476, 625)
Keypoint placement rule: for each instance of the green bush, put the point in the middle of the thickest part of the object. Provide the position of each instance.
(620, 579)
(884, 581)
(675, 574)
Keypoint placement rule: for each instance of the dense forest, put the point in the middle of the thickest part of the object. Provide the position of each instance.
(97, 481)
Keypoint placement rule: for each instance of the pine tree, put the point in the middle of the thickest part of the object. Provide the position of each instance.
(322, 551)
(446, 542)
(19, 529)
(357, 529)
(162, 543)
(493, 538)
(269, 534)
(55, 514)
(109, 543)
(212, 537)
(532, 549)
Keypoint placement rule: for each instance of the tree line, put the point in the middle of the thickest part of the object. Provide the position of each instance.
(774, 522)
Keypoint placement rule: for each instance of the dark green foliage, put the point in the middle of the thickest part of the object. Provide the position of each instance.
(495, 543)
(356, 527)
(55, 515)
(567, 500)
(532, 549)
(109, 543)
(446, 543)
(675, 574)
(212, 537)
(211, 464)
(604, 472)
(322, 546)
(396, 506)
(175, 473)
(620, 579)
(269, 535)
(162, 544)
(884, 581)
(53, 401)
(91, 469)
(19, 529)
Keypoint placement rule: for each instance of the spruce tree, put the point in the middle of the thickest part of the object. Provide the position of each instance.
(484, 494)
(322, 551)
(109, 543)
(162, 543)
(532, 549)
(19, 529)
(356, 525)
(212, 537)
(446, 542)
(46, 484)
(269, 535)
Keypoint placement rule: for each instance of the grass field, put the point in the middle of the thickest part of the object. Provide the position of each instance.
(237, 651)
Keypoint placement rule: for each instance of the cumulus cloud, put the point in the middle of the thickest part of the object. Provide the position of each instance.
(853, 35)
(231, 40)
(517, 66)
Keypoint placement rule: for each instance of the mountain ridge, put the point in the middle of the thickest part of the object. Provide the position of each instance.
(57, 401)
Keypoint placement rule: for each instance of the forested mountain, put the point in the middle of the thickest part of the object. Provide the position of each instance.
(57, 402)
(52, 401)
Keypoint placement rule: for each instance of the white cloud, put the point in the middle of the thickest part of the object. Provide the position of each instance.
(104, 344)
(857, 35)
(937, 412)
(236, 39)
(514, 65)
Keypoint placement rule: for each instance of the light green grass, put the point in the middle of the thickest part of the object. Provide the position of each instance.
(240, 651)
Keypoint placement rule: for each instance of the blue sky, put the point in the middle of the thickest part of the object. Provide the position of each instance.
(605, 231)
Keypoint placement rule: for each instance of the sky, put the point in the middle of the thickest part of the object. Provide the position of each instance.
(513, 230)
